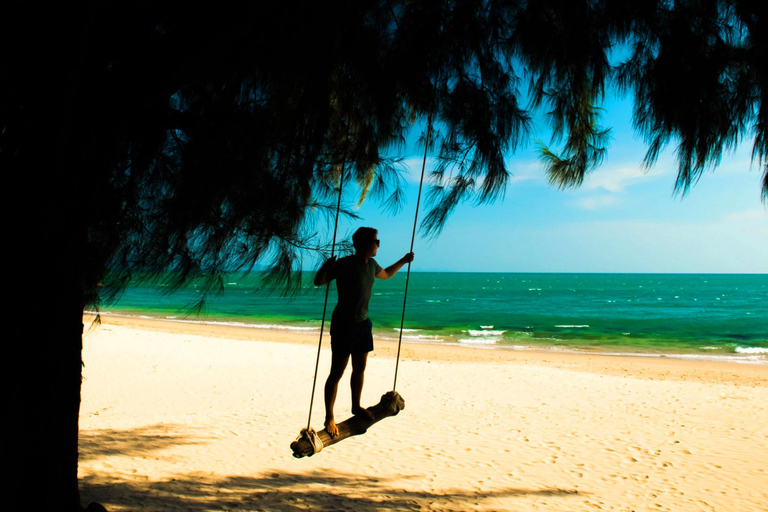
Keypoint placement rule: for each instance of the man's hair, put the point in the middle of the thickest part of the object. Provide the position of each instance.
(363, 237)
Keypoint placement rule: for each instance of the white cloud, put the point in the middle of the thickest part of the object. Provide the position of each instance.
(605, 187)
(617, 179)
(751, 216)
(525, 170)
(597, 202)
(413, 166)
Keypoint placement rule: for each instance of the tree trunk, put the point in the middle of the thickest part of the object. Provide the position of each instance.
(390, 404)
(40, 431)
(44, 214)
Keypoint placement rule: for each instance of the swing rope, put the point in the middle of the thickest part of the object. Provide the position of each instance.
(325, 304)
(413, 237)
(309, 431)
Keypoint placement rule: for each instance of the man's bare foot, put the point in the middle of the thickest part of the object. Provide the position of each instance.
(331, 428)
(365, 413)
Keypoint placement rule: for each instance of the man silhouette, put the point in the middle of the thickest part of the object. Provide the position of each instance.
(351, 329)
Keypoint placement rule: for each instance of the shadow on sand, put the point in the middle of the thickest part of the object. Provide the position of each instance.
(269, 491)
(94, 444)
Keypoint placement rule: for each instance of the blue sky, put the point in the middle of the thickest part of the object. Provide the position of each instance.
(622, 219)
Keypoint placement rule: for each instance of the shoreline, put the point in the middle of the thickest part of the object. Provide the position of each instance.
(657, 366)
(311, 335)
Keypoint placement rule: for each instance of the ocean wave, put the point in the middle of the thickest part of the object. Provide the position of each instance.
(280, 327)
(748, 359)
(751, 350)
(572, 326)
(397, 329)
(479, 341)
(421, 338)
(521, 334)
(485, 332)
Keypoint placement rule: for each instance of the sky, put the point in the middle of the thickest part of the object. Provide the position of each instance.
(624, 218)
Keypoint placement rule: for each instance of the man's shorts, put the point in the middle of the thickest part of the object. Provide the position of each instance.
(352, 338)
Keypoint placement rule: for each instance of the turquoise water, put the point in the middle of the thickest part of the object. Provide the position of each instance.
(698, 315)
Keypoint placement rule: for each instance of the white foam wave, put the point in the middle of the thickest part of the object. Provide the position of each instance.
(286, 327)
(479, 341)
(420, 338)
(521, 334)
(748, 359)
(267, 326)
(252, 326)
(485, 332)
(572, 326)
(486, 327)
(751, 350)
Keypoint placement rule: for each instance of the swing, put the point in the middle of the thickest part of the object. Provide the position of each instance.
(310, 442)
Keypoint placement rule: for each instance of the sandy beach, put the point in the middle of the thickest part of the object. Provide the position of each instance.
(196, 417)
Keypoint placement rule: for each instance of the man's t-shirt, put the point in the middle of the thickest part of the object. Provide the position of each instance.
(354, 282)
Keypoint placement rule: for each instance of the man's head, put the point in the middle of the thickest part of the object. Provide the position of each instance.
(366, 241)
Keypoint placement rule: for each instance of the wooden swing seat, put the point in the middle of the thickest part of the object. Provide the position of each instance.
(390, 404)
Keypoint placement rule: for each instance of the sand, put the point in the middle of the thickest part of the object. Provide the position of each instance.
(195, 417)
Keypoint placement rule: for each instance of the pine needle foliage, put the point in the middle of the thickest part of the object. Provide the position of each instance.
(193, 140)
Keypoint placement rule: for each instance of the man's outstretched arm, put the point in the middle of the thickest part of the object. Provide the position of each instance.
(391, 270)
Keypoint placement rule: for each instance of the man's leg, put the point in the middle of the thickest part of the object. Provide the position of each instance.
(338, 365)
(356, 382)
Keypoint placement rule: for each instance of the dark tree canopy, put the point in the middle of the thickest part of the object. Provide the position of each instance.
(210, 138)
(139, 137)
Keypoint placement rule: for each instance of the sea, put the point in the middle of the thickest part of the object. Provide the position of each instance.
(699, 316)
